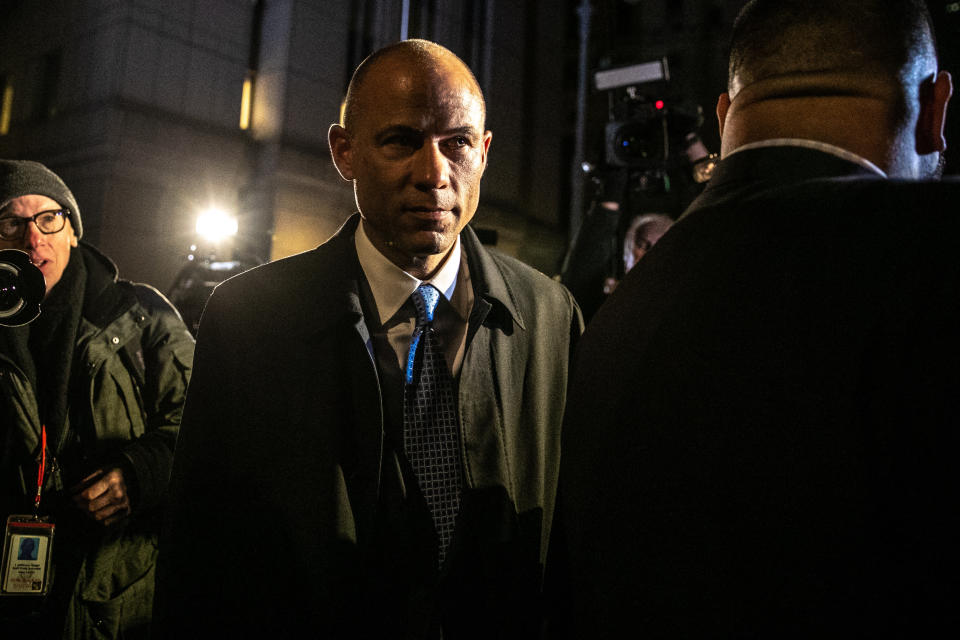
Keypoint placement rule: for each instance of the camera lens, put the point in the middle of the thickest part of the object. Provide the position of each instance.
(638, 143)
(10, 299)
(21, 288)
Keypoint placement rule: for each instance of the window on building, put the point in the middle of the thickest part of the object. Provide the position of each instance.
(6, 105)
(253, 65)
(246, 100)
(45, 105)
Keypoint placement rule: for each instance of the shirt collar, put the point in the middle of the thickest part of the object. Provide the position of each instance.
(812, 144)
(390, 285)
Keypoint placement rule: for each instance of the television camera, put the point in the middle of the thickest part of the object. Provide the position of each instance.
(653, 163)
(649, 138)
(214, 256)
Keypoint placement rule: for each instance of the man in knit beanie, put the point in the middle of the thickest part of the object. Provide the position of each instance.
(100, 377)
(35, 198)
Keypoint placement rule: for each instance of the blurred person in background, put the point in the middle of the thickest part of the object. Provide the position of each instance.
(644, 232)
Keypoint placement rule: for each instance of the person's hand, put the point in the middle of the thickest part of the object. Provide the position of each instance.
(103, 496)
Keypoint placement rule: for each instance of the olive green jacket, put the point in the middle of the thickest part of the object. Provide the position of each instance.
(131, 366)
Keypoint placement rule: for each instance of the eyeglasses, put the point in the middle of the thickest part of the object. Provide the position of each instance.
(12, 227)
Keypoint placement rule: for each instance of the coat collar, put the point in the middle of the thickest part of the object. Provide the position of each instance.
(331, 293)
(753, 170)
(337, 273)
(489, 285)
(102, 302)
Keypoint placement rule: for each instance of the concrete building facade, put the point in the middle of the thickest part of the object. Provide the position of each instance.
(138, 105)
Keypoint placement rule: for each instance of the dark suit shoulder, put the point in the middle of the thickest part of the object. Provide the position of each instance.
(263, 280)
(296, 292)
(852, 188)
(262, 290)
(851, 193)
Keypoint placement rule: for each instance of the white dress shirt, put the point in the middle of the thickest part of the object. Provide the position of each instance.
(392, 287)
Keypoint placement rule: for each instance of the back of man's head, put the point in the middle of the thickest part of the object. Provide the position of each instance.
(858, 74)
(890, 38)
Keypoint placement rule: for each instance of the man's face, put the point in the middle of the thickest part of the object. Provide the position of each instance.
(647, 235)
(416, 153)
(50, 252)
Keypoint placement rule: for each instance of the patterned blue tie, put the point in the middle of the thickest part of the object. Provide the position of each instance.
(430, 421)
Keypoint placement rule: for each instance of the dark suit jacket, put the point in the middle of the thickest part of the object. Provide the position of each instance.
(761, 436)
(290, 508)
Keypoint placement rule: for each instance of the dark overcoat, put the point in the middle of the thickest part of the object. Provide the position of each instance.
(285, 489)
(762, 429)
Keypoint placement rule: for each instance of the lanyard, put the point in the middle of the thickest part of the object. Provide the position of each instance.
(43, 467)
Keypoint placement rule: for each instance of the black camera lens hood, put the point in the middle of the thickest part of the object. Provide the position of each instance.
(22, 288)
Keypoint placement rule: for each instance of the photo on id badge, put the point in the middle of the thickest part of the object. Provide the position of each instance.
(25, 559)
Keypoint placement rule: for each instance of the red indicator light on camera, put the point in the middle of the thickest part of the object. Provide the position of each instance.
(658, 104)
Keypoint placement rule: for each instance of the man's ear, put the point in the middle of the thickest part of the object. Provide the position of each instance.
(341, 150)
(723, 105)
(74, 240)
(934, 97)
(485, 147)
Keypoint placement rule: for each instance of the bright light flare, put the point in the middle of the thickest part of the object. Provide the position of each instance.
(216, 225)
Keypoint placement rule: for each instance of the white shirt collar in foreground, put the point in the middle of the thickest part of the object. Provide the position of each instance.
(849, 156)
(392, 286)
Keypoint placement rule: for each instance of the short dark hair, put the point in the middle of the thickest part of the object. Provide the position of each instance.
(777, 37)
(424, 52)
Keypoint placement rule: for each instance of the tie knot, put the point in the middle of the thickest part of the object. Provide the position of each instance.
(425, 300)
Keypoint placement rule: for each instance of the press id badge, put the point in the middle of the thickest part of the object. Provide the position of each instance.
(27, 547)
(28, 543)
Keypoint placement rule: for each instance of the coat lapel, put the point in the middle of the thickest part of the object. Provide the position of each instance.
(334, 331)
(492, 373)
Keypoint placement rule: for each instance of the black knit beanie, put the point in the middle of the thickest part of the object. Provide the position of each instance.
(25, 177)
